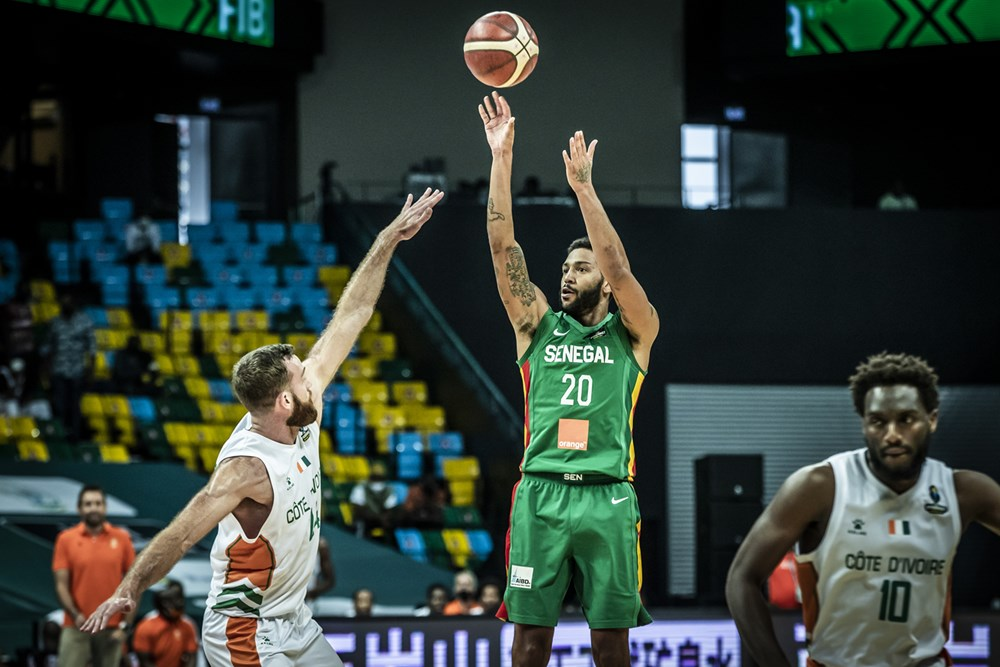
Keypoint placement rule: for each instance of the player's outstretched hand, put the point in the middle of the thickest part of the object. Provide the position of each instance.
(415, 213)
(99, 619)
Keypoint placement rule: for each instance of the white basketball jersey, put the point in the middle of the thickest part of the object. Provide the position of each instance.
(876, 591)
(267, 576)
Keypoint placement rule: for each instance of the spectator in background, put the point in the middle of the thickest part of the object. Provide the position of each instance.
(364, 600)
(424, 504)
(464, 590)
(69, 351)
(12, 382)
(437, 598)
(88, 562)
(142, 241)
(133, 371)
(324, 576)
(166, 638)
(897, 198)
(374, 504)
(490, 596)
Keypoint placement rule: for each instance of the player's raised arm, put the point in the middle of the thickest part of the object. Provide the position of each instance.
(524, 302)
(638, 314)
(233, 481)
(357, 303)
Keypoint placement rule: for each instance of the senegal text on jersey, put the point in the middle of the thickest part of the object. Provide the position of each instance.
(578, 353)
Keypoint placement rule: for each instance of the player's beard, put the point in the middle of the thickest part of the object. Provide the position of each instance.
(585, 301)
(303, 414)
(93, 520)
(911, 471)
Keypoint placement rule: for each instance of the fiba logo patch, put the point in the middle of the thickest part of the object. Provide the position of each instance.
(935, 506)
(520, 576)
(857, 527)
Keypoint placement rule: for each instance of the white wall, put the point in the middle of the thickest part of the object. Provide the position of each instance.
(392, 87)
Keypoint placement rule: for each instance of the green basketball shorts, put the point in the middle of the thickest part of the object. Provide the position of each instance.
(580, 533)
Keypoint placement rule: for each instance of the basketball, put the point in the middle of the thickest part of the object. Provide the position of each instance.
(501, 49)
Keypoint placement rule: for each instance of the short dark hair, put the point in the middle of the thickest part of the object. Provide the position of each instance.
(88, 488)
(582, 242)
(885, 369)
(260, 375)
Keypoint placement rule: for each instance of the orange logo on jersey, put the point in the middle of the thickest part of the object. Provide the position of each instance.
(573, 433)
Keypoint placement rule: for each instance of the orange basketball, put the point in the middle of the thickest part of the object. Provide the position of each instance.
(501, 49)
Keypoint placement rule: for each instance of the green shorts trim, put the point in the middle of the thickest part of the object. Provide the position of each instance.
(584, 535)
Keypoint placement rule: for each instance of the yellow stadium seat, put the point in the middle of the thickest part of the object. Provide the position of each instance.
(375, 323)
(175, 255)
(425, 417)
(187, 366)
(115, 405)
(165, 363)
(358, 468)
(337, 468)
(460, 468)
(172, 320)
(336, 275)
(456, 541)
(302, 342)
(214, 321)
(23, 427)
(102, 366)
(6, 433)
(111, 339)
(379, 416)
(252, 320)
(211, 412)
(44, 312)
(359, 368)
(179, 341)
(114, 454)
(409, 391)
(262, 338)
(119, 318)
(382, 437)
(126, 430)
(189, 455)
(378, 344)
(42, 290)
(153, 342)
(234, 412)
(91, 406)
(99, 428)
(32, 450)
(177, 434)
(463, 493)
(370, 392)
(325, 441)
(197, 387)
(208, 456)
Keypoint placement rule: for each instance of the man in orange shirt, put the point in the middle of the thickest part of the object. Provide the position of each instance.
(464, 589)
(89, 562)
(166, 638)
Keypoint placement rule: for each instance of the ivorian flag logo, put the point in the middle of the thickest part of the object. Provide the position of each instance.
(899, 527)
(298, 464)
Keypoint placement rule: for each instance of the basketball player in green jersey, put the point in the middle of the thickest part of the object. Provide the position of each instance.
(574, 518)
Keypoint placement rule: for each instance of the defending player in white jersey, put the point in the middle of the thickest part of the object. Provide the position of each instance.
(264, 492)
(876, 531)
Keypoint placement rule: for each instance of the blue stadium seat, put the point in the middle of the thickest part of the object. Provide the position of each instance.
(202, 235)
(439, 460)
(277, 300)
(411, 543)
(298, 276)
(270, 233)
(250, 254)
(448, 442)
(89, 230)
(236, 233)
(159, 297)
(116, 208)
(312, 299)
(337, 392)
(480, 542)
(168, 231)
(151, 274)
(234, 297)
(263, 276)
(98, 316)
(143, 408)
(115, 229)
(224, 210)
(408, 449)
(306, 234)
(220, 389)
(114, 294)
(103, 273)
(320, 254)
(225, 275)
(98, 251)
(202, 298)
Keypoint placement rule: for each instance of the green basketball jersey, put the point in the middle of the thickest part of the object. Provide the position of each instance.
(580, 388)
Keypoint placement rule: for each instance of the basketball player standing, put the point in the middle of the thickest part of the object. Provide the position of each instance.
(574, 515)
(876, 531)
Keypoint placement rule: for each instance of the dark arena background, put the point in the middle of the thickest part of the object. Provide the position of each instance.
(744, 148)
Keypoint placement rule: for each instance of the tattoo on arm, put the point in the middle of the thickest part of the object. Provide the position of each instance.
(493, 214)
(583, 173)
(517, 276)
